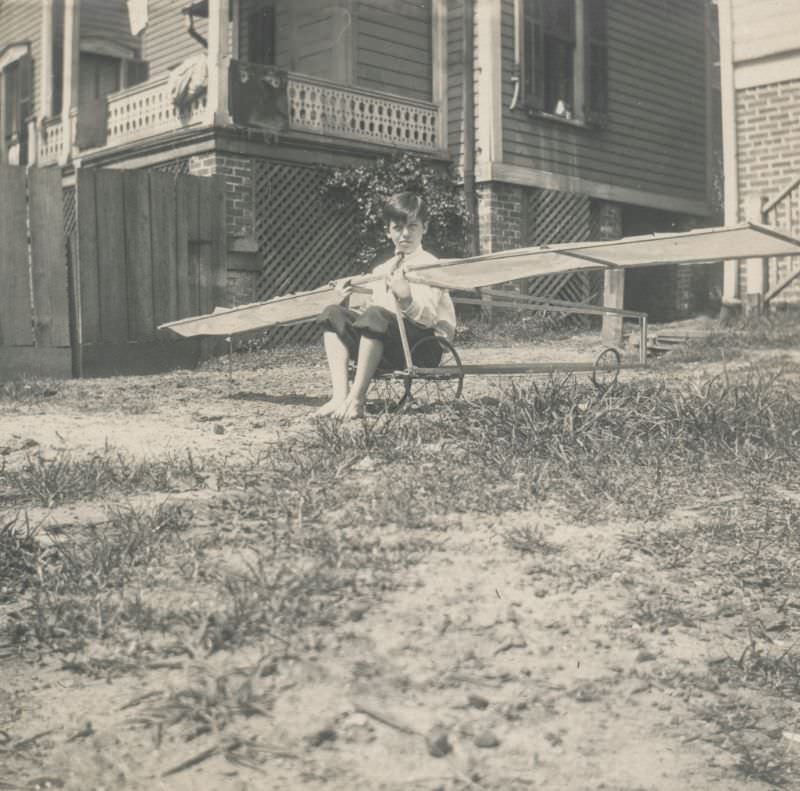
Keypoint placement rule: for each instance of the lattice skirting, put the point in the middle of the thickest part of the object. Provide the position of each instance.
(552, 217)
(303, 239)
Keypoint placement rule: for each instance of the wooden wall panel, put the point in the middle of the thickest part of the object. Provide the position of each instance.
(88, 272)
(139, 255)
(186, 228)
(48, 258)
(655, 139)
(15, 295)
(111, 257)
(163, 206)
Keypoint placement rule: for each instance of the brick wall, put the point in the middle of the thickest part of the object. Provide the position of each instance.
(499, 216)
(768, 139)
(239, 212)
(238, 175)
(768, 130)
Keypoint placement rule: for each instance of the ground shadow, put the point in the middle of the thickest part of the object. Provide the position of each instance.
(291, 399)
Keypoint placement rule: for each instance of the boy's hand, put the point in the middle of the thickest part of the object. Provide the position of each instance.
(400, 288)
(344, 288)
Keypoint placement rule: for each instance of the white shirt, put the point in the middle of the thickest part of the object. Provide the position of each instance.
(429, 306)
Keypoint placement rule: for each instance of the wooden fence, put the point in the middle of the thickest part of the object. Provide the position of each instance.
(143, 248)
(150, 248)
(34, 284)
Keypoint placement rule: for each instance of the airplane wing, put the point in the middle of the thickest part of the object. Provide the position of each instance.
(703, 245)
(288, 309)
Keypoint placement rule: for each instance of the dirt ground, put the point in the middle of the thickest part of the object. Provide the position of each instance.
(537, 670)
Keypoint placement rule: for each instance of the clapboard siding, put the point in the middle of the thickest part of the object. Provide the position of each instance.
(765, 27)
(455, 80)
(655, 138)
(394, 47)
(21, 21)
(107, 20)
(165, 42)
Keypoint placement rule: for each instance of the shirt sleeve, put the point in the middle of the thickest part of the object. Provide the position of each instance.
(424, 307)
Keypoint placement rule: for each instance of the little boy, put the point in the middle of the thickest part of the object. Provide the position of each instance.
(371, 336)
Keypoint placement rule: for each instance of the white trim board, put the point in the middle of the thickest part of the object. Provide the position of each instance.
(542, 179)
(13, 53)
(766, 71)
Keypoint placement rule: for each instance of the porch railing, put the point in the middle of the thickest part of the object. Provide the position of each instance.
(50, 141)
(146, 110)
(326, 108)
(315, 106)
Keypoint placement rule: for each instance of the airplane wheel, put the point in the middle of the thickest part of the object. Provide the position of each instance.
(606, 369)
(390, 390)
(440, 387)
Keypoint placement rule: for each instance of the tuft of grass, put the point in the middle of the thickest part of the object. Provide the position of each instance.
(27, 391)
(530, 540)
(52, 480)
(19, 553)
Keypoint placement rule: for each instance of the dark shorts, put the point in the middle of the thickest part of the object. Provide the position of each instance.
(381, 324)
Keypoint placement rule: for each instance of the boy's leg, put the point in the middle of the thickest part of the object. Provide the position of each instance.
(370, 351)
(341, 344)
(338, 356)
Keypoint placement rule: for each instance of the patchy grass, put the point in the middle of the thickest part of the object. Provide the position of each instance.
(312, 532)
(29, 391)
(48, 480)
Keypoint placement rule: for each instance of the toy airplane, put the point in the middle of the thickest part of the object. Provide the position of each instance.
(703, 245)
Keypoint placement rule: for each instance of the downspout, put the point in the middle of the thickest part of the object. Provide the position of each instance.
(468, 86)
(730, 291)
(190, 29)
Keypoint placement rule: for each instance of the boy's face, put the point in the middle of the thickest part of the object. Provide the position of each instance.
(407, 236)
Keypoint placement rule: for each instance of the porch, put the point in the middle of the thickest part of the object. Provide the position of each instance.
(234, 85)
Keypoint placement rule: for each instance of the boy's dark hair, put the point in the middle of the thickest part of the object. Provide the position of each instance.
(405, 207)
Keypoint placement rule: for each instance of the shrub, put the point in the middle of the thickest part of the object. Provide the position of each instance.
(363, 190)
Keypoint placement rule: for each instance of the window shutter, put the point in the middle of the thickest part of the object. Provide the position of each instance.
(261, 36)
(533, 55)
(596, 79)
(25, 65)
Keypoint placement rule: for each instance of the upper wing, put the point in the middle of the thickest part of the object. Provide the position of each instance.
(703, 245)
(281, 310)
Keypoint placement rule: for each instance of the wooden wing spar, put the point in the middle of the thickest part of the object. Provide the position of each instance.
(704, 245)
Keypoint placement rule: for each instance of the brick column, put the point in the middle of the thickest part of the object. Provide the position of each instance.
(239, 220)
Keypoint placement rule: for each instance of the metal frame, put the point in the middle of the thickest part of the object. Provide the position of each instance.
(512, 299)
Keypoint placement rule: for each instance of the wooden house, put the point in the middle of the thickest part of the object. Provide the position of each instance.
(567, 119)
(760, 85)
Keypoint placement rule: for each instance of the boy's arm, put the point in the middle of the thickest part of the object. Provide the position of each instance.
(424, 306)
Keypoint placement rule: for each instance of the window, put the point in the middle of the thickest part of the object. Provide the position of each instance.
(564, 68)
(17, 87)
(261, 36)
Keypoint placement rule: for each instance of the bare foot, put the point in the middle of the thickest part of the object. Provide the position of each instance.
(329, 408)
(350, 409)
